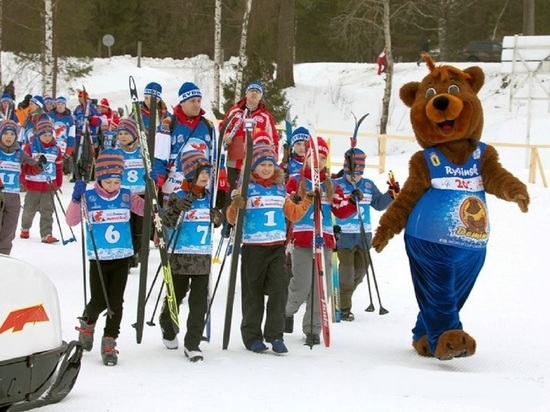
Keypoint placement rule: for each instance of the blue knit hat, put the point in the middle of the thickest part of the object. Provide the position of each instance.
(37, 100)
(129, 126)
(187, 91)
(153, 89)
(61, 99)
(300, 134)
(190, 160)
(8, 124)
(48, 99)
(261, 153)
(43, 127)
(109, 164)
(6, 98)
(255, 86)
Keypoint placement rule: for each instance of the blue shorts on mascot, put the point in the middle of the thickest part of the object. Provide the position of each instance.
(442, 204)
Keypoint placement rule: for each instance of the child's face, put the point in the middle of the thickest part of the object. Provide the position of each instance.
(8, 138)
(111, 185)
(351, 178)
(265, 170)
(60, 107)
(322, 162)
(204, 178)
(125, 138)
(300, 148)
(46, 137)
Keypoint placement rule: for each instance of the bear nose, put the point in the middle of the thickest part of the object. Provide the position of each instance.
(441, 103)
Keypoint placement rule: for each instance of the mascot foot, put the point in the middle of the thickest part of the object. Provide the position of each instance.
(422, 347)
(455, 344)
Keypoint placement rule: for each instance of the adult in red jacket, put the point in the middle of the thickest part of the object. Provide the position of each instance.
(250, 107)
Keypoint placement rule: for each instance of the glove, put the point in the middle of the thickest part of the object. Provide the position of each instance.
(216, 217)
(184, 204)
(78, 190)
(42, 161)
(337, 229)
(357, 194)
(94, 121)
(221, 199)
(154, 176)
(239, 202)
(393, 185)
(312, 194)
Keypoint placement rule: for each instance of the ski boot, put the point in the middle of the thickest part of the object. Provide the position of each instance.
(347, 315)
(194, 355)
(108, 352)
(86, 335)
(313, 339)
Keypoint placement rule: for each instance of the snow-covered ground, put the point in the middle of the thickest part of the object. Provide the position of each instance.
(370, 364)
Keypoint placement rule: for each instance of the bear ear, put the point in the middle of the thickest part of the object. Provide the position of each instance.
(477, 78)
(407, 93)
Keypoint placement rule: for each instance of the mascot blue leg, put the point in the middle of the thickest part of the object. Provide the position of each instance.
(443, 277)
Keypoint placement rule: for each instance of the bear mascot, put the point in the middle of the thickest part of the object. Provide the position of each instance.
(442, 204)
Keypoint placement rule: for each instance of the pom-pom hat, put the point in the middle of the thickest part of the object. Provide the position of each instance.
(43, 127)
(188, 91)
(105, 103)
(37, 100)
(109, 165)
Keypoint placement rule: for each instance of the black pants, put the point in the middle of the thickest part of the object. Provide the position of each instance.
(136, 226)
(198, 302)
(263, 273)
(115, 275)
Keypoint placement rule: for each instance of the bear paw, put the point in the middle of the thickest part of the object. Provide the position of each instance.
(422, 346)
(454, 344)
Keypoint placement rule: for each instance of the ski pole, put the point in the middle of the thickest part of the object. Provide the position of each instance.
(83, 248)
(51, 190)
(151, 321)
(72, 238)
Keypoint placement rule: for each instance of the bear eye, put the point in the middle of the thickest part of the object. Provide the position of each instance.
(453, 89)
(430, 93)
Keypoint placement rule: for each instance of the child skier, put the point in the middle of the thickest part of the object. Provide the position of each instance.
(352, 252)
(133, 177)
(13, 162)
(264, 235)
(190, 251)
(39, 187)
(300, 287)
(293, 166)
(107, 210)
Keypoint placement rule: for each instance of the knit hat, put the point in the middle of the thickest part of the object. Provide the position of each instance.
(8, 124)
(6, 98)
(262, 137)
(153, 89)
(48, 99)
(43, 127)
(109, 165)
(261, 153)
(62, 100)
(104, 102)
(323, 146)
(300, 134)
(37, 100)
(187, 91)
(358, 157)
(129, 126)
(255, 86)
(190, 161)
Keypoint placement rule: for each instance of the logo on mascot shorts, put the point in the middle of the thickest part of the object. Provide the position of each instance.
(474, 217)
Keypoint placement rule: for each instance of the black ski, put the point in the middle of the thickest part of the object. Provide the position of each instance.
(155, 210)
(146, 229)
(238, 232)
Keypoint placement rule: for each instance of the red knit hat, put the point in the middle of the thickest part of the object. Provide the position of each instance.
(323, 146)
(105, 103)
(262, 137)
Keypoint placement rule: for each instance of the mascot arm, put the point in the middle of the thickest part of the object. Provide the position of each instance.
(394, 220)
(500, 182)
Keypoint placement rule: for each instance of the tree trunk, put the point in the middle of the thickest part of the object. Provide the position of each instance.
(242, 51)
(217, 53)
(389, 70)
(285, 44)
(47, 83)
(528, 17)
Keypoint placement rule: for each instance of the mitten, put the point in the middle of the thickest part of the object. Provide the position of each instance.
(356, 195)
(184, 204)
(94, 121)
(42, 161)
(216, 217)
(239, 202)
(78, 190)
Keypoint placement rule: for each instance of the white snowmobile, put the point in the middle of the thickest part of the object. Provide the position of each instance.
(36, 366)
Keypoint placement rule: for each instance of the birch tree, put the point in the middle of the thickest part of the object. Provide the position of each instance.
(242, 51)
(47, 69)
(217, 52)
